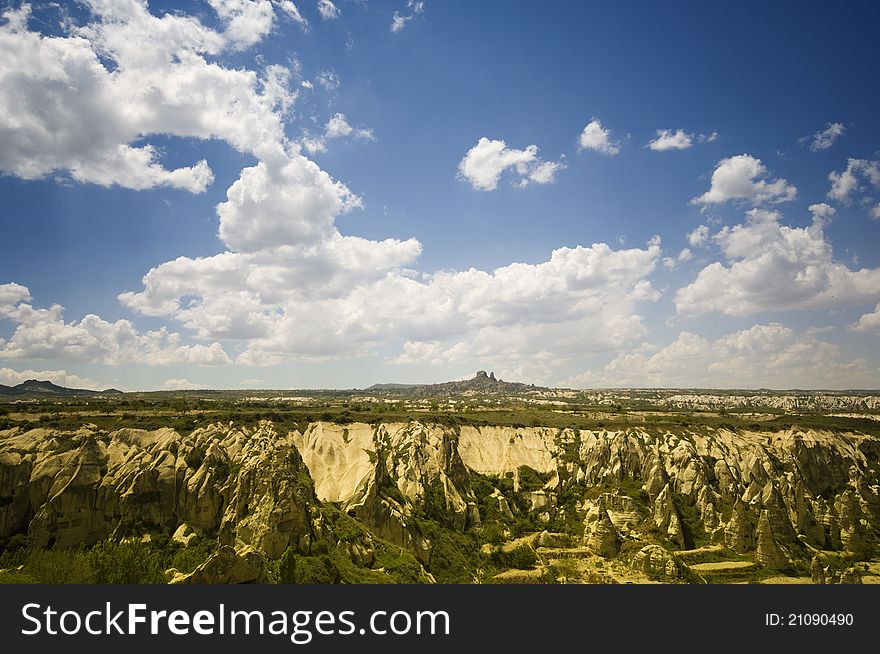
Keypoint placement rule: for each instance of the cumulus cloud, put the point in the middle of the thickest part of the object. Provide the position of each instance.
(156, 80)
(669, 140)
(825, 138)
(868, 323)
(246, 21)
(44, 334)
(699, 236)
(344, 297)
(771, 266)
(336, 127)
(328, 10)
(269, 205)
(484, 163)
(595, 137)
(765, 355)
(846, 182)
(743, 177)
(399, 20)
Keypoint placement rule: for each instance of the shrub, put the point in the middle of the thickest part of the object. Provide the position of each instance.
(521, 557)
(125, 563)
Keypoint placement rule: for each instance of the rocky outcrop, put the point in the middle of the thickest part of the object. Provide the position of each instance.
(817, 573)
(248, 485)
(600, 535)
(666, 517)
(739, 535)
(227, 566)
(379, 505)
(656, 563)
(851, 576)
(260, 489)
(769, 553)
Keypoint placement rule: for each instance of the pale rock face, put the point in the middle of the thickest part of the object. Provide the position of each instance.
(160, 480)
(739, 535)
(769, 553)
(624, 512)
(184, 535)
(253, 487)
(337, 456)
(270, 506)
(500, 450)
(600, 534)
(656, 563)
(666, 517)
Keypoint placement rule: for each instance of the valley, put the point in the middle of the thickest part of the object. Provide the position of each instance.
(477, 481)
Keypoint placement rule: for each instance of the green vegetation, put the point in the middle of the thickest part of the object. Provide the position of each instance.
(108, 562)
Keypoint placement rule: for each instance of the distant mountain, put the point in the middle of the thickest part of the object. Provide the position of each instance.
(482, 382)
(33, 388)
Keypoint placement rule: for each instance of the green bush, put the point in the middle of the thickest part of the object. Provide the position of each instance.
(125, 563)
(58, 566)
(298, 569)
(521, 557)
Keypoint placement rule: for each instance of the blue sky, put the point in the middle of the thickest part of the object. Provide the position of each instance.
(331, 194)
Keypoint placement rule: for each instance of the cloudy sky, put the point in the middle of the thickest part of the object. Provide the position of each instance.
(317, 193)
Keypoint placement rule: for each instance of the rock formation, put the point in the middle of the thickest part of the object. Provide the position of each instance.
(656, 563)
(769, 553)
(600, 535)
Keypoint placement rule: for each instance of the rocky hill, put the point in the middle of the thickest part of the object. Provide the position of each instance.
(468, 503)
(34, 389)
(481, 383)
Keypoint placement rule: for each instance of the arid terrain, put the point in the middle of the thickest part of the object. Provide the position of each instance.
(477, 481)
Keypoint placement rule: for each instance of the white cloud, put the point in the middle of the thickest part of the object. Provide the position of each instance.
(336, 127)
(775, 267)
(846, 182)
(671, 263)
(669, 140)
(246, 21)
(875, 212)
(180, 384)
(595, 137)
(699, 236)
(292, 204)
(328, 10)
(743, 177)
(822, 213)
(328, 79)
(541, 172)
(707, 138)
(289, 8)
(43, 334)
(769, 355)
(158, 82)
(347, 296)
(483, 164)
(399, 21)
(825, 138)
(10, 377)
(868, 323)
